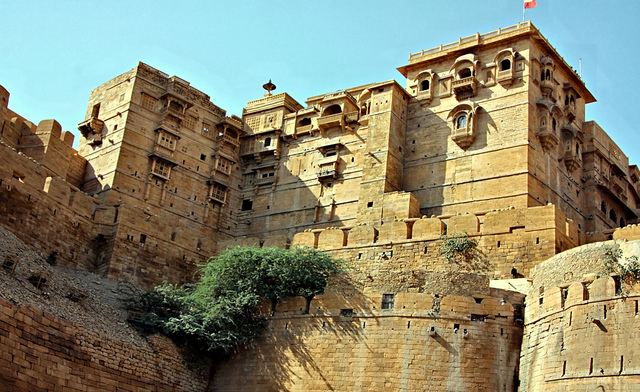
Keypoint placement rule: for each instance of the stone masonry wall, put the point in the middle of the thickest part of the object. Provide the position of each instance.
(426, 342)
(40, 352)
(581, 325)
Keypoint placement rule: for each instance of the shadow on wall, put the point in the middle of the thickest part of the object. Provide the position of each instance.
(277, 360)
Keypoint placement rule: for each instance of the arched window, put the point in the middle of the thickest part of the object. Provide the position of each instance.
(572, 101)
(461, 121)
(424, 85)
(566, 100)
(542, 75)
(613, 216)
(333, 109)
(304, 121)
(622, 222)
(547, 75)
(267, 141)
(603, 207)
(578, 149)
(554, 124)
(464, 73)
(505, 65)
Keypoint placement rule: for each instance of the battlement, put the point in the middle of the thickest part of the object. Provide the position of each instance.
(433, 228)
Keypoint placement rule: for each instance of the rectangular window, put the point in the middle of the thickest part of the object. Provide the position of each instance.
(161, 168)
(190, 122)
(219, 192)
(167, 140)
(388, 301)
(149, 102)
(206, 128)
(224, 165)
(247, 205)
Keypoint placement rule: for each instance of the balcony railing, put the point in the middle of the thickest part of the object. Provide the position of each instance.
(330, 121)
(465, 87)
(505, 77)
(265, 180)
(218, 195)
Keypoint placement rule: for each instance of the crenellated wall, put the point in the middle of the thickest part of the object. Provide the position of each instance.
(581, 324)
(51, 214)
(426, 341)
(511, 238)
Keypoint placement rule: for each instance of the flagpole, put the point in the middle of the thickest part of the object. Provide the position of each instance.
(523, 9)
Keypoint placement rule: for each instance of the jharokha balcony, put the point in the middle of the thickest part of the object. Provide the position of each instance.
(548, 137)
(330, 121)
(465, 87)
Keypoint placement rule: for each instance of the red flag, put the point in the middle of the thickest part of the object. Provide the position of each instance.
(529, 3)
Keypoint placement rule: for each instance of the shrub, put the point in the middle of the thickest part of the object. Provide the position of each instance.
(222, 310)
(457, 247)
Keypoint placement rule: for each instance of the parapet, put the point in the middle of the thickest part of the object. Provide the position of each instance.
(630, 232)
(424, 229)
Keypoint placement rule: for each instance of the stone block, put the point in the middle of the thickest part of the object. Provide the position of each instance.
(467, 223)
(427, 229)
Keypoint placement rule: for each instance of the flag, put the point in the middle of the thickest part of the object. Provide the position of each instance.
(529, 3)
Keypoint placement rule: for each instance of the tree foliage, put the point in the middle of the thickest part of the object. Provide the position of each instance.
(458, 247)
(222, 309)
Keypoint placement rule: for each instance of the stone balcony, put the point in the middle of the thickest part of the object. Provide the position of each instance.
(254, 148)
(265, 180)
(331, 121)
(505, 77)
(218, 195)
(91, 129)
(328, 168)
(465, 87)
(547, 136)
(570, 112)
(172, 111)
(572, 160)
(463, 137)
(547, 87)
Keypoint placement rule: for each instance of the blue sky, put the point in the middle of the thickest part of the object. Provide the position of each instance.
(53, 53)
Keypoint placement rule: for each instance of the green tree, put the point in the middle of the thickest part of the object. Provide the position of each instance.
(222, 309)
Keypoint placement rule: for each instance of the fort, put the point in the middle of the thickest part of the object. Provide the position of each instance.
(486, 139)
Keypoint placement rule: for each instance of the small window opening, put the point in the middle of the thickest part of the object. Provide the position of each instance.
(547, 75)
(424, 85)
(143, 238)
(505, 65)
(387, 301)
(461, 121)
(612, 215)
(304, 121)
(591, 365)
(173, 236)
(464, 73)
(370, 204)
(247, 205)
(617, 281)
(498, 244)
(478, 300)
(333, 109)
(267, 141)
(636, 309)
(564, 294)
(585, 292)
(203, 157)
(570, 318)
(604, 312)
(564, 368)
(408, 324)
(456, 328)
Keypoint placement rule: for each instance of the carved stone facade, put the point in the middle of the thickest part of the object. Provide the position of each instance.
(487, 138)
